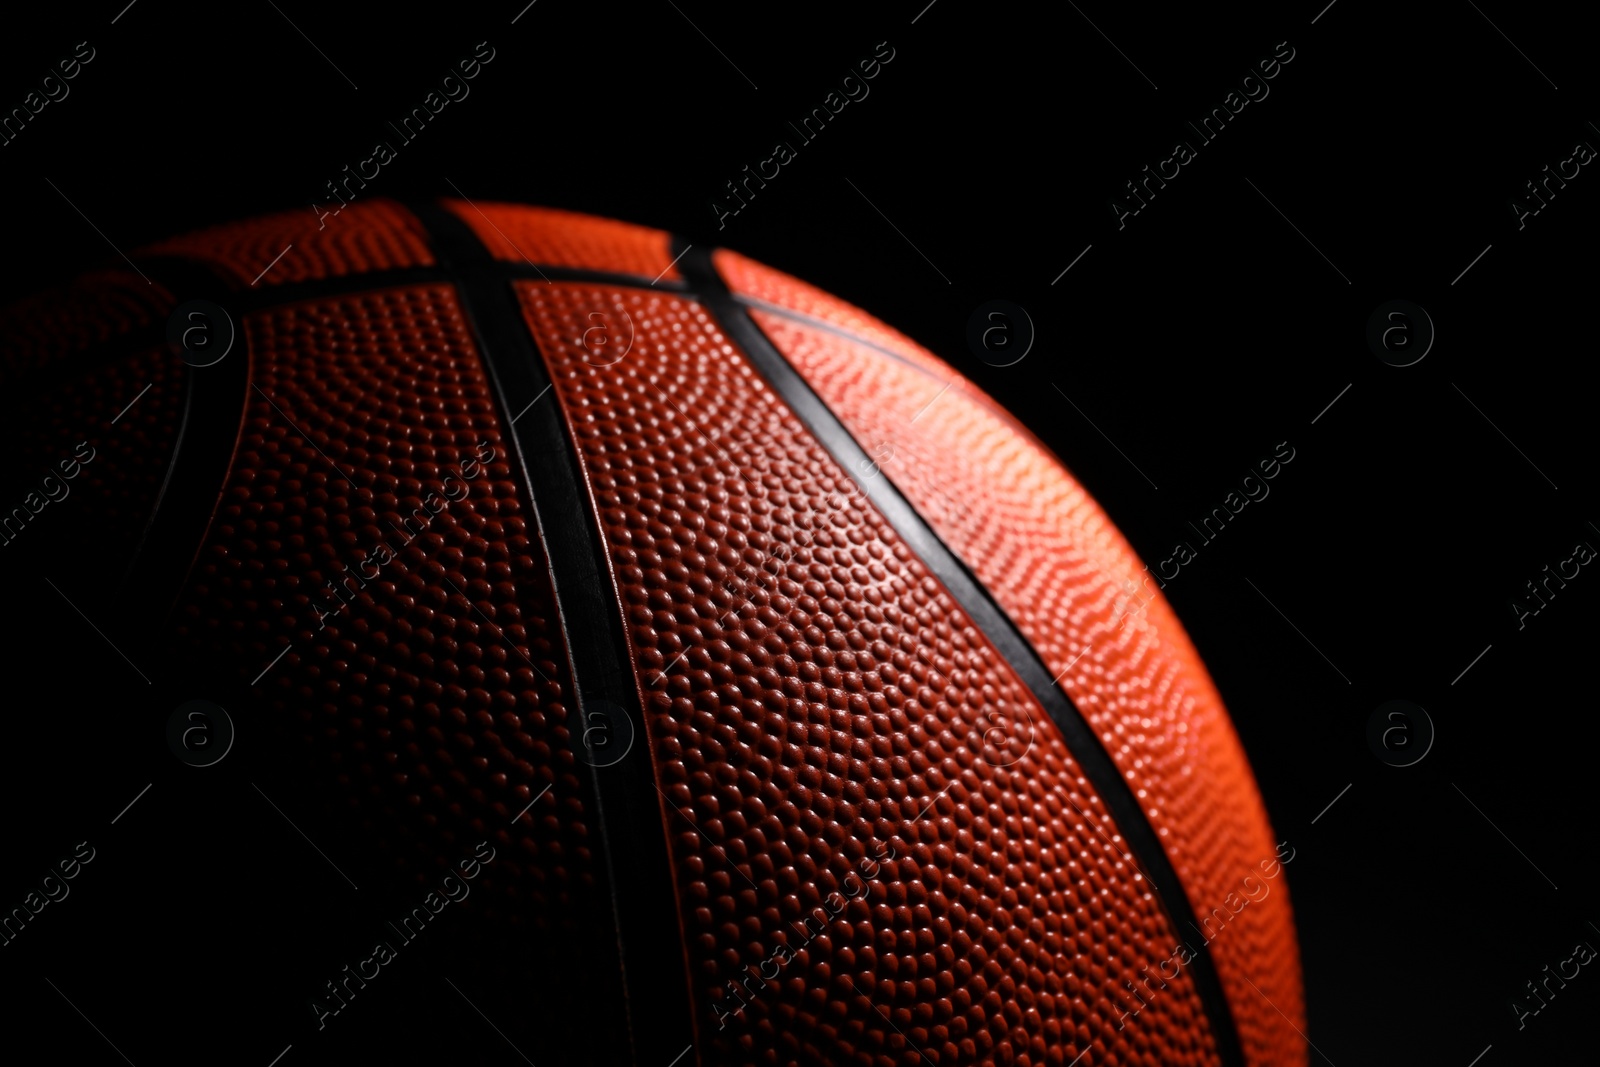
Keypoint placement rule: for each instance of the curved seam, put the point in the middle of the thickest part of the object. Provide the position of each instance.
(996, 624)
(204, 450)
(629, 816)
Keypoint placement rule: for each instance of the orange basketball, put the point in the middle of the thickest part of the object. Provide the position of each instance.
(812, 711)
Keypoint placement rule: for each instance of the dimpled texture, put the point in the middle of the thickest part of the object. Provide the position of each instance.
(42, 330)
(761, 284)
(1079, 594)
(882, 850)
(866, 807)
(297, 246)
(547, 237)
(436, 697)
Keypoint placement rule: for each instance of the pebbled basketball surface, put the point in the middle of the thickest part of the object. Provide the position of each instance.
(814, 711)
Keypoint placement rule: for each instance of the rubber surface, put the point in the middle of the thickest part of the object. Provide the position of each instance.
(852, 827)
(1075, 587)
(820, 708)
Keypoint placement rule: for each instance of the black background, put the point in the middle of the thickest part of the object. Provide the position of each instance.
(1196, 338)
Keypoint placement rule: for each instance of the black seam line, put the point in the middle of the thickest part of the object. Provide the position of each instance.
(215, 398)
(988, 616)
(203, 451)
(644, 945)
(834, 329)
(240, 297)
(242, 301)
(983, 399)
(542, 272)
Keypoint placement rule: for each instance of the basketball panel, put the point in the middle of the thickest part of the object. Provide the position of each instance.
(1060, 569)
(870, 817)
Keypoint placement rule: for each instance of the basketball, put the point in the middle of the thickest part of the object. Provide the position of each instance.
(772, 695)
